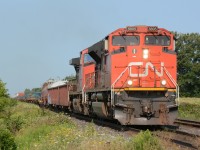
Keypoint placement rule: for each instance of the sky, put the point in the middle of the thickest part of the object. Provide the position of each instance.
(39, 37)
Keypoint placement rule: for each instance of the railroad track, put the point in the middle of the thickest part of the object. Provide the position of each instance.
(102, 122)
(179, 137)
(185, 122)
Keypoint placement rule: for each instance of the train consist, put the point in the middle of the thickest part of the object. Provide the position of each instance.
(31, 97)
(129, 76)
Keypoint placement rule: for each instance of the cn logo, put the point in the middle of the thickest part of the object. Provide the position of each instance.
(146, 71)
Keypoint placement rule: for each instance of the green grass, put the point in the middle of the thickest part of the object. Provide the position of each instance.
(30, 127)
(190, 101)
(189, 108)
(27, 126)
(37, 124)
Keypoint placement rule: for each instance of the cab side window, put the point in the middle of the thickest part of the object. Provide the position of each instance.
(88, 59)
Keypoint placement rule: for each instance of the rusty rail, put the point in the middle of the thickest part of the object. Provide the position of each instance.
(185, 122)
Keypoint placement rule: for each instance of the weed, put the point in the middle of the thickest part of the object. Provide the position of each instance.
(90, 129)
(6, 102)
(7, 141)
(14, 124)
(144, 140)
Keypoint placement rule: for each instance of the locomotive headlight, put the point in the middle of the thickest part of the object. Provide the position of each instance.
(145, 53)
(130, 82)
(145, 56)
(163, 82)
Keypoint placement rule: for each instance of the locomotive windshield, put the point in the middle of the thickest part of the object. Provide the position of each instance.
(157, 40)
(125, 40)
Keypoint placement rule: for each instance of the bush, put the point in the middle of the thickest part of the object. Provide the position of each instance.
(6, 102)
(7, 140)
(14, 124)
(3, 90)
(143, 141)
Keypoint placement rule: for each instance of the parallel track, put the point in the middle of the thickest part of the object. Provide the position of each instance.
(185, 122)
(181, 138)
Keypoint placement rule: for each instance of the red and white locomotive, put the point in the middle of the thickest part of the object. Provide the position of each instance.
(129, 76)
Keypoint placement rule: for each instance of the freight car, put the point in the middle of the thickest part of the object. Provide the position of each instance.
(129, 76)
(44, 92)
(58, 94)
(32, 97)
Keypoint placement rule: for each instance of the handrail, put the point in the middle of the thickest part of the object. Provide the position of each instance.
(112, 86)
(83, 94)
(174, 82)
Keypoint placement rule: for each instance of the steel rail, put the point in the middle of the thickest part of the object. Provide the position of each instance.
(186, 122)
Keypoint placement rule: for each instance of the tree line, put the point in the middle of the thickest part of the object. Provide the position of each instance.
(188, 50)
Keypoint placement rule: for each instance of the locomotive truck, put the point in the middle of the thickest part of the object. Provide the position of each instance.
(129, 76)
